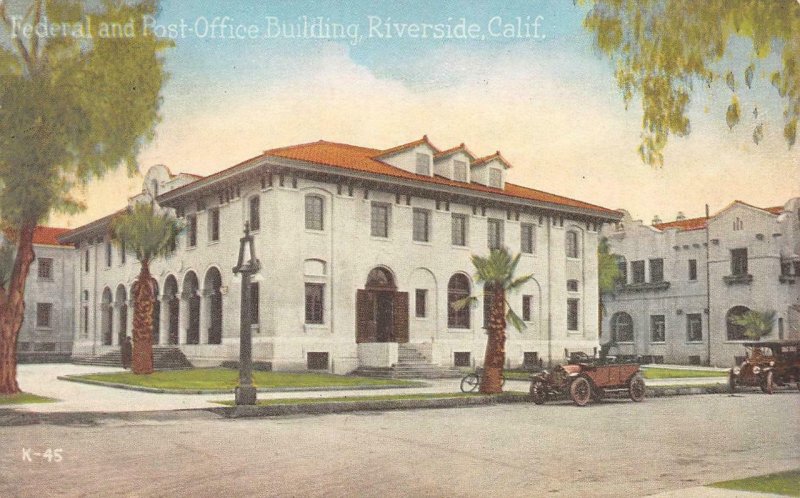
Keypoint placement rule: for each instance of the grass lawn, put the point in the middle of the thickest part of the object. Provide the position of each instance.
(782, 483)
(223, 378)
(349, 399)
(22, 398)
(668, 373)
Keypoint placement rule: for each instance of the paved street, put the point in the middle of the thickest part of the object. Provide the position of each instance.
(615, 448)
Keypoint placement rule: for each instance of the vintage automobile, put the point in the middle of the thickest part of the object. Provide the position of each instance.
(767, 364)
(585, 377)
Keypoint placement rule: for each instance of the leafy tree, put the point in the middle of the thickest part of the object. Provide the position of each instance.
(496, 273)
(73, 106)
(146, 234)
(756, 324)
(663, 49)
(608, 276)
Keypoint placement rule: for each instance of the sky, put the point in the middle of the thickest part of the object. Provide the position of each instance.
(545, 98)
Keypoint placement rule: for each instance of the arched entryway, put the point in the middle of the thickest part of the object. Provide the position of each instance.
(381, 311)
(212, 296)
(107, 317)
(122, 306)
(191, 298)
(173, 308)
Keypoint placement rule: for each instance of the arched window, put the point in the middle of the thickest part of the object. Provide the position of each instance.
(380, 278)
(622, 327)
(573, 244)
(315, 212)
(735, 331)
(457, 288)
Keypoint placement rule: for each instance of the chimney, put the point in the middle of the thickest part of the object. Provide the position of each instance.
(656, 220)
(680, 216)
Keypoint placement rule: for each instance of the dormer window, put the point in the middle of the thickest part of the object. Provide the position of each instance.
(423, 164)
(495, 178)
(460, 171)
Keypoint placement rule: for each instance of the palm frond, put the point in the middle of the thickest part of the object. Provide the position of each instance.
(464, 302)
(145, 232)
(519, 282)
(514, 319)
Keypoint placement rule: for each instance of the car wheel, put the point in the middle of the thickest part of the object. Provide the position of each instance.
(538, 392)
(581, 391)
(767, 383)
(469, 383)
(731, 383)
(636, 388)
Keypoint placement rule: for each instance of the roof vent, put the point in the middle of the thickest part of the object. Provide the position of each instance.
(680, 216)
(656, 220)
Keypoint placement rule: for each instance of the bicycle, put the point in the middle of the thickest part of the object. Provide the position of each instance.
(472, 380)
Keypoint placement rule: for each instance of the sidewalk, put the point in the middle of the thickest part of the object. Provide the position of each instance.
(704, 492)
(78, 397)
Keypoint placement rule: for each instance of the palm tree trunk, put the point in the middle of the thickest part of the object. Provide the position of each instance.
(491, 381)
(143, 322)
(12, 311)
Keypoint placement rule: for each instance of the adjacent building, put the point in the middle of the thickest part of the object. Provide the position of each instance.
(48, 326)
(682, 282)
(362, 250)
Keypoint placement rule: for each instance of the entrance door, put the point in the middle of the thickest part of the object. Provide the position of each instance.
(384, 313)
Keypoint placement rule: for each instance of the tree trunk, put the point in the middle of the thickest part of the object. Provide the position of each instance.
(143, 322)
(491, 381)
(12, 310)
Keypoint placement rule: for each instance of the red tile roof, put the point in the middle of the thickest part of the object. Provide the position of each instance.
(399, 148)
(496, 155)
(363, 159)
(700, 223)
(448, 152)
(48, 236)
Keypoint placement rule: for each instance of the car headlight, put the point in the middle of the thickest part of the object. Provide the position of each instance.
(756, 370)
(736, 370)
(772, 363)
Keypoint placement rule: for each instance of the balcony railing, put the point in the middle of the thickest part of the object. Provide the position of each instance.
(644, 287)
(744, 278)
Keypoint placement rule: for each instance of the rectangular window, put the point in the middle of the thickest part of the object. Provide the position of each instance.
(462, 359)
(459, 232)
(213, 224)
(45, 268)
(44, 313)
(527, 311)
(527, 238)
(314, 303)
(85, 321)
(622, 267)
(314, 212)
(694, 327)
(86, 261)
(572, 247)
(495, 228)
(422, 225)
(108, 254)
(739, 261)
(379, 222)
(495, 178)
(692, 269)
(637, 269)
(254, 303)
(423, 164)
(123, 253)
(572, 285)
(572, 314)
(420, 303)
(459, 171)
(191, 230)
(255, 213)
(658, 328)
(657, 270)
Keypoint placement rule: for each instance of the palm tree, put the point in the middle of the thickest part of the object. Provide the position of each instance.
(496, 273)
(756, 324)
(147, 234)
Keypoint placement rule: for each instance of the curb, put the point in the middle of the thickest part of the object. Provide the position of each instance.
(373, 405)
(157, 390)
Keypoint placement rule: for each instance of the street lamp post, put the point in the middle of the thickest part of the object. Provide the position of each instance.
(247, 266)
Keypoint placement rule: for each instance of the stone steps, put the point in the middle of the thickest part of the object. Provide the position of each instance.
(164, 358)
(411, 364)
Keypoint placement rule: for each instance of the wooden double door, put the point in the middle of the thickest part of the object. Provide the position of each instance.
(381, 316)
